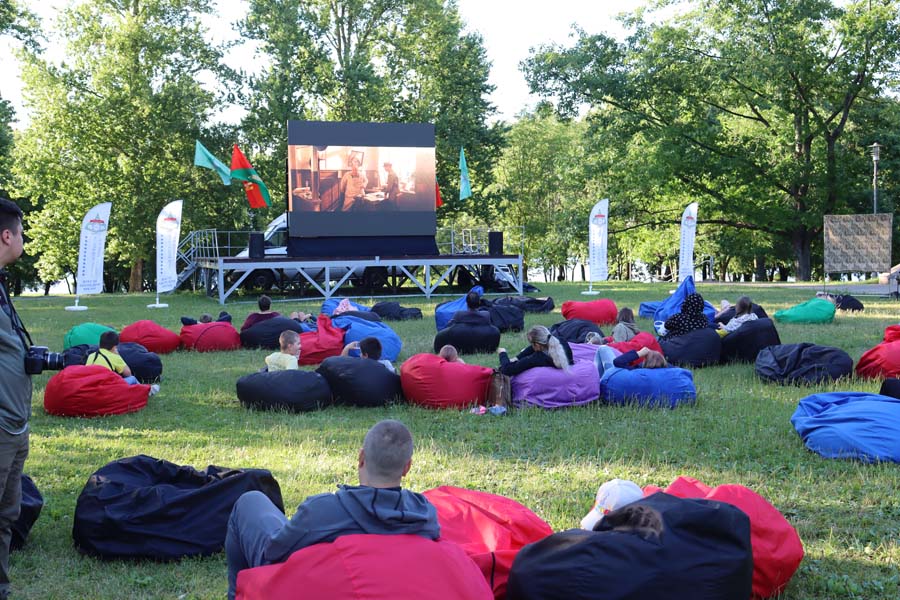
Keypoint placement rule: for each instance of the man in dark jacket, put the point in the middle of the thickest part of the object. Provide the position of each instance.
(259, 534)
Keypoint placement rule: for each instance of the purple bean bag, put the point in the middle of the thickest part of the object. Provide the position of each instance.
(587, 352)
(553, 388)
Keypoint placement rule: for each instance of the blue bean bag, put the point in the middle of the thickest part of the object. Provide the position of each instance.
(668, 387)
(444, 311)
(357, 329)
(858, 425)
(672, 304)
(332, 303)
(646, 310)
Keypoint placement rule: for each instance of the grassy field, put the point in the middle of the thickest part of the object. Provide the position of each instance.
(847, 513)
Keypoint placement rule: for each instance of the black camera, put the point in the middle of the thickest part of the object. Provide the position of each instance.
(39, 358)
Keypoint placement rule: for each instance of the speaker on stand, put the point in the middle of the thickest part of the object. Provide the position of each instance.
(257, 245)
(495, 243)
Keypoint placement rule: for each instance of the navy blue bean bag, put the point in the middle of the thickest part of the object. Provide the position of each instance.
(660, 547)
(392, 311)
(745, 344)
(31, 505)
(359, 381)
(890, 387)
(143, 507)
(803, 363)
(731, 311)
(470, 333)
(698, 348)
(444, 311)
(672, 304)
(265, 334)
(855, 425)
(332, 303)
(575, 331)
(507, 318)
(668, 387)
(357, 329)
(294, 391)
(527, 303)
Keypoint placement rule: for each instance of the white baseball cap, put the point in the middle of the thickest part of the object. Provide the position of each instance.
(612, 495)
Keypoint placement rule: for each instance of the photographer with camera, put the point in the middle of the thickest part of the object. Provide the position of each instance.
(15, 390)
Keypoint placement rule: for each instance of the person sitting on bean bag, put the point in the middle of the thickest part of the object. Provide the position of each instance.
(107, 355)
(544, 351)
(286, 358)
(224, 317)
(743, 314)
(606, 360)
(473, 307)
(260, 534)
(450, 354)
(625, 328)
(265, 303)
(690, 318)
(368, 347)
(612, 495)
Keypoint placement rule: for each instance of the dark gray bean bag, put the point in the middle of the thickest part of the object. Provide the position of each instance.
(507, 318)
(527, 303)
(890, 387)
(294, 391)
(392, 311)
(359, 381)
(265, 334)
(848, 302)
(365, 315)
(803, 363)
(470, 332)
(728, 315)
(744, 344)
(32, 503)
(698, 348)
(575, 331)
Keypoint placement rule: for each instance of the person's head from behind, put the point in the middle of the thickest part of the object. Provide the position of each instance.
(109, 340)
(388, 167)
(370, 347)
(626, 315)
(449, 353)
(265, 303)
(386, 455)
(655, 360)
(594, 338)
(743, 307)
(693, 304)
(10, 232)
(541, 341)
(289, 342)
(473, 301)
(205, 318)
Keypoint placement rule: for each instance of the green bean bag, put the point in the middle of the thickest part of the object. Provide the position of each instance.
(86, 333)
(816, 310)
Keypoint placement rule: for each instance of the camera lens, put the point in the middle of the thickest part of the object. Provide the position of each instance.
(53, 361)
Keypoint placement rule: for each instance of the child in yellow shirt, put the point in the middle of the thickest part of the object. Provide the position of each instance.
(285, 359)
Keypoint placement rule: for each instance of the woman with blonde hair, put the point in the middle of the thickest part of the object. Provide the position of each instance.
(545, 350)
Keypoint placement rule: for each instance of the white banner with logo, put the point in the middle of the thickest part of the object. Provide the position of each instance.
(688, 233)
(168, 233)
(598, 233)
(91, 249)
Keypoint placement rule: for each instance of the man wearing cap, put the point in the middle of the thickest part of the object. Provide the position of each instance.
(612, 495)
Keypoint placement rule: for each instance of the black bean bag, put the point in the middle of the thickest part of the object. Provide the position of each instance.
(470, 333)
(143, 507)
(729, 313)
(32, 503)
(744, 344)
(803, 363)
(77, 355)
(294, 391)
(660, 547)
(698, 348)
(527, 303)
(507, 318)
(848, 302)
(575, 331)
(145, 365)
(265, 334)
(392, 311)
(359, 381)
(890, 387)
(365, 315)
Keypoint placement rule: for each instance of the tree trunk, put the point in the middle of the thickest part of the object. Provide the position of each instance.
(801, 242)
(561, 272)
(136, 279)
(783, 272)
(47, 287)
(583, 274)
(761, 271)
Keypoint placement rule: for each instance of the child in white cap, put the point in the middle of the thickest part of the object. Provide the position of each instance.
(612, 495)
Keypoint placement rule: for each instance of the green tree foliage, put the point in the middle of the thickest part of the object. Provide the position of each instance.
(118, 123)
(743, 105)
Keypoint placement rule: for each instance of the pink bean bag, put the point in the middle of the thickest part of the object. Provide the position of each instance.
(152, 336)
(316, 346)
(881, 361)
(369, 567)
(429, 380)
(210, 337)
(92, 391)
(601, 312)
(777, 549)
(549, 387)
(491, 529)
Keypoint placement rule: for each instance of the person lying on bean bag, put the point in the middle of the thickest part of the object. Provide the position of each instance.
(265, 303)
(368, 348)
(743, 313)
(210, 337)
(224, 317)
(392, 311)
(575, 331)
(286, 358)
(625, 328)
(644, 358)
(544, 351)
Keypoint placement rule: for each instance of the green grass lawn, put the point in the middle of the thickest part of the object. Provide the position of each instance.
(847, 513)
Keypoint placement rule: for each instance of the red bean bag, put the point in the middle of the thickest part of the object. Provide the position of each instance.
(881, 361)
(491, 529)
(316, 346)
(777, 549)
(152, 336)
(92, 391)
(370, 567)
(429, 380)
(639, 341)
(892, 333)
(602, 312)
(210, 337)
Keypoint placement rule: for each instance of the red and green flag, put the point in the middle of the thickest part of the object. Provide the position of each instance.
(242, 170)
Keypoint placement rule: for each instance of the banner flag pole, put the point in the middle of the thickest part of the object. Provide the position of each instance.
(168, 231)
(598, 234)
(91, 251)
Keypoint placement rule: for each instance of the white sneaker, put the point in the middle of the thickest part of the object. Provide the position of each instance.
(154, 389)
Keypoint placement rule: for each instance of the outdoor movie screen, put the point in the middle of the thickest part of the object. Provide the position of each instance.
(361, 179)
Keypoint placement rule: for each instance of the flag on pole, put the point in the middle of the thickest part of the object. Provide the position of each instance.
(91, 249)
(437, 196)
(465, 187)
(204, 158)
(242, 170)
(598, 237)
(688, 233)
(168, 232)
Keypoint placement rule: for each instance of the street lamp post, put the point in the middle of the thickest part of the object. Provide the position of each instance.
(876, 155)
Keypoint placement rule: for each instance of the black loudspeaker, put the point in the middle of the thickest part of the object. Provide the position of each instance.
(495, 243)
(257, 246)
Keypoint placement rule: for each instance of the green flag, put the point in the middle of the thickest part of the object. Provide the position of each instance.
(465, 188)
(204, 158)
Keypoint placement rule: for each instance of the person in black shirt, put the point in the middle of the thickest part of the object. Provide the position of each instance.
(545, 351)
